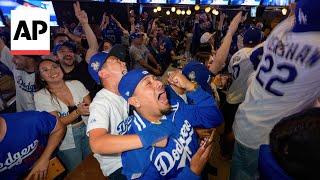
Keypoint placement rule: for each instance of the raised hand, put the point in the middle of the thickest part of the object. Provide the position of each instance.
(178, 79)
(83, 109)
(80, 14)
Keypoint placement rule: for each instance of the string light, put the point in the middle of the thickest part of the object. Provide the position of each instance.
(173, 9)
(188, 12)
(158, 8)
(168, 12)
(183, 12)
(215, 12)
(178, 11)
(197, 7)
(155, 10)
(207, 9)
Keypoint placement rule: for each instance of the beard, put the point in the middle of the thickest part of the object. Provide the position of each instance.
(166, 110)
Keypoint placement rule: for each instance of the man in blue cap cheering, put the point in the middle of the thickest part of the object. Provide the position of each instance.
(152, 110)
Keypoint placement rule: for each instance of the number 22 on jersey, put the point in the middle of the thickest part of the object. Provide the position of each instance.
(276, 77)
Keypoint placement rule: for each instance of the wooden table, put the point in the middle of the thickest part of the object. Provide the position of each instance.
(88, 169)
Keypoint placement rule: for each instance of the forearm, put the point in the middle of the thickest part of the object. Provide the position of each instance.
(111, 144)
(222, 53)
(152, 59)
(69, 118)
(148, 67)
(74, 37)
(53, 142)
(91, 37)
(132, 28)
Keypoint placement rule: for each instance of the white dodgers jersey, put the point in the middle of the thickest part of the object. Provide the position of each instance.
(287, 81)
(240, 67)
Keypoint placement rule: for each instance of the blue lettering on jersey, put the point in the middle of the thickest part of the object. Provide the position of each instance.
(292, 74)
(124, 125)
(26, 87)
(302, 53)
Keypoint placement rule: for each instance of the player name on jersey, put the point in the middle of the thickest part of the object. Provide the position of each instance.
(306, 54)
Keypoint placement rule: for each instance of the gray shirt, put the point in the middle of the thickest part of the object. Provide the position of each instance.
(138, 53)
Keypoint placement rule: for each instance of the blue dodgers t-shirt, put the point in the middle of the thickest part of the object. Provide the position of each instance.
(25, 140)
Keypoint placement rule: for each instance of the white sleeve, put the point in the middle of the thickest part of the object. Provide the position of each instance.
(6, 58)
(44, 102)
(99, 116)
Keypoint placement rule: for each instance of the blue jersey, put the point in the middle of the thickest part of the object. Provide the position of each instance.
(25, 140)
(173, 97)
(173, 161)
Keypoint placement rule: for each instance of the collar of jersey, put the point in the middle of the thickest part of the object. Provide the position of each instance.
(142, 122)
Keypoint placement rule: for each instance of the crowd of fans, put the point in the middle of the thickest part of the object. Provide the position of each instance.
(144, 100)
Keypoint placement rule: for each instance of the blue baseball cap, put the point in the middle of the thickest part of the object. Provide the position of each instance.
(196, 71)
(100, 58)
(95, 65)
(135, 35)
(307, 16)
(68, 44)
(130, 81)
(252, 35)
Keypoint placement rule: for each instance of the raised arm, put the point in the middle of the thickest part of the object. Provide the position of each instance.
(72, 36)
(223, 51)
(91, 37)
(204, 111)
(5, 55)
(119, 25)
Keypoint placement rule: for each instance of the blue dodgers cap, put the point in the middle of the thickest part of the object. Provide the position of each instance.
(97, 60)
(130, 81)
(307, 16)
(95, 64)
(68, 44)
(252, 35)
(135, 35)
(196, 71)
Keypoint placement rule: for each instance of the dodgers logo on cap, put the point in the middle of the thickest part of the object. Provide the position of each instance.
(192, 76)
(95, 65)
(302, 18)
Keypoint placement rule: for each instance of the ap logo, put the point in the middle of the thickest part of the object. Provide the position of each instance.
(30, 31)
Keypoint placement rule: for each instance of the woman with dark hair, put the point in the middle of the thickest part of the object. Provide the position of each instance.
(69, 101)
